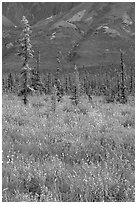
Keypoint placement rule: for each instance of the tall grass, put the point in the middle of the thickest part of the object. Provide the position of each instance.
(74, 153)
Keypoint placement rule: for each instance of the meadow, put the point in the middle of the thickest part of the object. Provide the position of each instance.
(83, 153)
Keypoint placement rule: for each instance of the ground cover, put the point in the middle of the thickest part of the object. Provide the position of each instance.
(75, 153)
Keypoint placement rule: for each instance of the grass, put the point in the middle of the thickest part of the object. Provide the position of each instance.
(84, 153)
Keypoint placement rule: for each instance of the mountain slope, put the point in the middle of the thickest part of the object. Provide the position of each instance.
(90, 34)
(111, 29)
(34, 11)
(6, 22)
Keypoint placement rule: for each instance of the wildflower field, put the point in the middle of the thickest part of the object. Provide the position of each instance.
(75, 153)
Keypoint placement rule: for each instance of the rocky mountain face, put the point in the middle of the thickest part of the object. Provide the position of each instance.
(87, 34)
(34, 11)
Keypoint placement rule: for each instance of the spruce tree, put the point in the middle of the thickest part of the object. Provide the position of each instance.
(118, 85)
(122, 85)
(49, 83)
(25, 52)
(59, 88)
(16, 83)
(66, 88)
(76, 86)
(36, 83)
(10, 82)
(54, 98)
(3, 84)
(131, 81)
(87, 88)
(38, 61)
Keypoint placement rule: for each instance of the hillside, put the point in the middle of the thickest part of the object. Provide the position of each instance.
(34, 11)
(6, 22)
(87, 34)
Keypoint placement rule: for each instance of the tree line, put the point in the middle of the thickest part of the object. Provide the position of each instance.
(75, 84)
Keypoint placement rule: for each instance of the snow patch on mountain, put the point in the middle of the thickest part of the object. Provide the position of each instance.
(108, 30)
(6, 22)
(89, 20)
(9, 45)
(127, 20)
(77, 17)
(64, 24)
(53, 36)
(128, 30)
(49, 18)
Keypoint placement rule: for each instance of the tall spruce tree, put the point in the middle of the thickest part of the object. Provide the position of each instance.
(3, 84)
(10, 82)
(36, 82)
(123, 98)
(25, 52)
(131, 89)
(59, 88)
(118, 85)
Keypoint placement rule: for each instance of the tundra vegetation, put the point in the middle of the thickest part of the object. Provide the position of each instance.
(71, 138)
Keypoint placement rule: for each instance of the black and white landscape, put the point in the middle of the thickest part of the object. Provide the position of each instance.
(68, 101)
